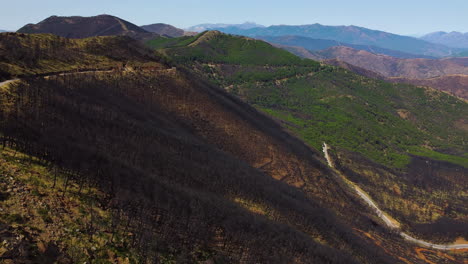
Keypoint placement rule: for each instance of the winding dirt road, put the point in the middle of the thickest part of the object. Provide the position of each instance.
(7, 82)
(83, 71)
(392, 224)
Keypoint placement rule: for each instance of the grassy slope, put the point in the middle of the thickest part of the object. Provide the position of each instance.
(323, 103)
(213, 46)
(53, 225)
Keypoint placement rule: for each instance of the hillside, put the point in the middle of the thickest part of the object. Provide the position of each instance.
(216, 180)
(395, 67)
(166, 30)
(351, 35)
(448, 75)
(84, 27)
(355, 69)
(453, 84)
(227, 60)
(322, 44)
(377, 129)
(33, 54)
(214, 46)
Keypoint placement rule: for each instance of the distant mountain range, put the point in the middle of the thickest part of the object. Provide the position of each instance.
(166, 30)
(321, 44)
(452, 39)
(367, 52)
(1, 30)
(348, 34)
(83, 27)
(243, 26)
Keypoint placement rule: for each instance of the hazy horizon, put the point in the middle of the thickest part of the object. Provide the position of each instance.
(400, 17)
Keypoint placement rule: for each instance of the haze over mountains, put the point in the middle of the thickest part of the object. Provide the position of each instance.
(349, 34)
(451, 39)
(129, 144)
(322, 44)
(166, 30)
(204, 27)
(363, 50)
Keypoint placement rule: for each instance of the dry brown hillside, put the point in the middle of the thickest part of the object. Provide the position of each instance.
(395, 67)
(454, 84)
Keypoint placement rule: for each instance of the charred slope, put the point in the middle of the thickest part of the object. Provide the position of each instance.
(159, 146)
(387, 123)
(187, 167)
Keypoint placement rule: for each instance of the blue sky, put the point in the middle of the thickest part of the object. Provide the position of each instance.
(396, 16)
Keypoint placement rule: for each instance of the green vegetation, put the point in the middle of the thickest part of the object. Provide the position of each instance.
(215, 47)
(49, 226)
(368, 123)
(164, 42)
(335, 107)
(325, 104)
(424, 152)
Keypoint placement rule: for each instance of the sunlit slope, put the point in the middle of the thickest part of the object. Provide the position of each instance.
(386, 122)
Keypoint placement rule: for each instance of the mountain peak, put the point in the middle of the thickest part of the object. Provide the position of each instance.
(83, 27)
(348, 34)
